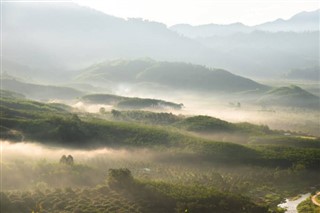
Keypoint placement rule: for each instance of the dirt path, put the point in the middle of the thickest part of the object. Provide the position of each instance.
(314, 201)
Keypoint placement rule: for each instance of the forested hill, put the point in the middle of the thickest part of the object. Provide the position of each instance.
(123, 102)
(39, 91)
(54, 124)
(173, 74)
(108, 37)
(290, 96)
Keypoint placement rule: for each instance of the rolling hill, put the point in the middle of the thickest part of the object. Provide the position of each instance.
(301, 22)
(40, 92)
(53, 125)
(129, 102)
(58, 44)
(176, 75)
(291, 96)
(304, 21)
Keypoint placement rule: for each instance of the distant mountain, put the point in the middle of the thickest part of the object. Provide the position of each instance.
(266, 54)
(10, 94)
(292, 96)
(40, 92)
(301, 22)
(310, 73)
(173, 74)
(304, 21)
(33, 74)
(202, 31)
(51, 39)
(65, 35)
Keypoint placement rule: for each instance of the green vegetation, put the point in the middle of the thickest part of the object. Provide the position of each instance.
(123, 193)
(10, 94)
(293, 141)
(129, 103)
(170, 166)
(138, 103)
(102, 99)
(53, 125)
(40, 92)
(60, 159)
(308, 207)
(146, 117)
(292, 96)
(205, 124)
(200, 124)
(174, 183)
(175, 75)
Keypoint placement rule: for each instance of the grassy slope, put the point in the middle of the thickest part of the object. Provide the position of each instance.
(48, 124)
(173, 74)
(128, 102)
(129, 196)
(37, 91)
(291, 96)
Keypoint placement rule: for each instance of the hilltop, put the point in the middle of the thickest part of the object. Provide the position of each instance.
(129, 102)
(290, 96)
(177, 75)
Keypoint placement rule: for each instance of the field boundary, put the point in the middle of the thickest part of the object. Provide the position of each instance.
(314, 200)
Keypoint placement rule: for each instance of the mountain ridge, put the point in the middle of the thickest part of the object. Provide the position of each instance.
(297, 23)
(74, 36)
(173, 74)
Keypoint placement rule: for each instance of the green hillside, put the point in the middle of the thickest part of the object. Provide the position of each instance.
(172, 169)
(10, 94)
(128, 102)
(117, 70)
(124, 193)
(40, 92)
(54, 125)
(173, 74)
(199, 124)
(290, 96)
(205, 124)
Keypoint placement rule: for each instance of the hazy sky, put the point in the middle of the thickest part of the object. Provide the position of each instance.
(250, 12)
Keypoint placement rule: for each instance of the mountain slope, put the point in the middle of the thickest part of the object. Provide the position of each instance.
(173, 74)
(292, 96)
(210, 29)
(73, 36)
(43, 92)
(301, 22)
(129, 102)
(304, 21)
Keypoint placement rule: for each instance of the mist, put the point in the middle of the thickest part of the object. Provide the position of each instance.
(60, 48)
(105, 114)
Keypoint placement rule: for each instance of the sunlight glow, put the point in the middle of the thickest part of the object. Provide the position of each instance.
(249, 12)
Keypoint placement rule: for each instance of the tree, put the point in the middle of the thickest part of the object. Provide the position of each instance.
(63, 159)
(67, 160)
(120, 178)
(115, 113)
(102, 110)
(70, 160)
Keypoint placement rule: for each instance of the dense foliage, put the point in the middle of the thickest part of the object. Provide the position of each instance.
(40, 92)
(173, 74)
(123, 193)
(54, 125)
(308, 207)
(129, 103)
(165, 168)
(290, 96)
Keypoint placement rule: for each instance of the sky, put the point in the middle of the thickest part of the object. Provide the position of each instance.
(197, 12)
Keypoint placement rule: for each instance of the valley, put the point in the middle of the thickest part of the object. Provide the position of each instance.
(100, 113)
